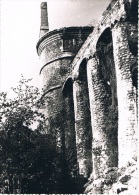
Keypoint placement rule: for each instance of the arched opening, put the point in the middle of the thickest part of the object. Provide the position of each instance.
(134, 11)
(131, 8)
(104, 49)
(86, 104)
(132, 32)
(107, 75)
(85, 95)
(69, 130)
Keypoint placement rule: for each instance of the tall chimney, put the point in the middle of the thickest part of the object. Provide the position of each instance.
(44, 28)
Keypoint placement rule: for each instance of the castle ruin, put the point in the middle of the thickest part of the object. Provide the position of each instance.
(90, 76)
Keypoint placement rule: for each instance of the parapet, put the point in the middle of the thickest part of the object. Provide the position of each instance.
(71, 38)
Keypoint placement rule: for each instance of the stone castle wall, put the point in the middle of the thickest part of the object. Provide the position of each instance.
(92, 88)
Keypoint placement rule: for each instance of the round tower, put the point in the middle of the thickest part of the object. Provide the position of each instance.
(56, 50)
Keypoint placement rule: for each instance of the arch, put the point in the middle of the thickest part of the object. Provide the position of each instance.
(103, 101)
(82, 69)
(69, 131)
(67, 86)
(104, 50)
(134, 11)
(106, 36)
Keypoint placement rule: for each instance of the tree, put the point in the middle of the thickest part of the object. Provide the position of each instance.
(23, 109)
(28, 159)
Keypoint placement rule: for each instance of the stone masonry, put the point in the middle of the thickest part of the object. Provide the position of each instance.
(90, 78)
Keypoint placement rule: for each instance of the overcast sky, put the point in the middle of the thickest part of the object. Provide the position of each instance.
(20, 22)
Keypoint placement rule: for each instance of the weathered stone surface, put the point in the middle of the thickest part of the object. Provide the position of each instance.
(118, 187)
(88, 188)
(56, 50)
(99, 103)
(126, 96)
(131, 169)
(124, 178)
(69, 131)
(83, 127)
(110, 84)
(110, 169)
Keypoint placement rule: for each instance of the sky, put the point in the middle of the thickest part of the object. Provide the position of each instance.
(19, 33)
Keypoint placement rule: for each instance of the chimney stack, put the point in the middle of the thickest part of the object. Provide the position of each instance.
(44, 28)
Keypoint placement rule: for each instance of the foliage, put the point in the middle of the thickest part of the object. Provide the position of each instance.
(28, 158)
(23, 108)
(27, 161)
